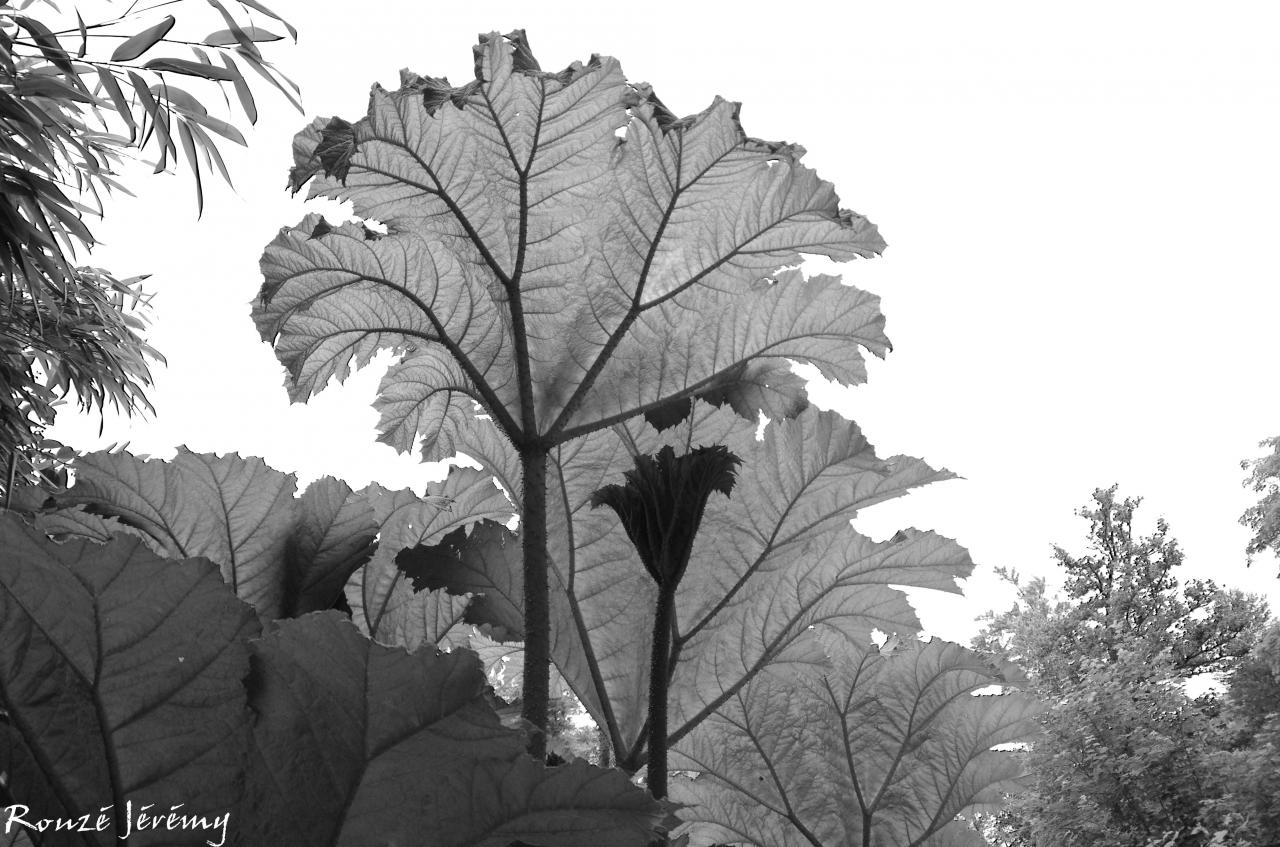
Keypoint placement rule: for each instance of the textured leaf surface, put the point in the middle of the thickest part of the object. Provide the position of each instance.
(898, 742)
(333, 535)
(121, 678)
(411, 753)
(235, 512)
(570, 214)
(383, 602)
(285, 555)
(775, 559)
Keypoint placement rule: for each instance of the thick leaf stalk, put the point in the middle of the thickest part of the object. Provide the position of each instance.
(537, 607)
(659, 677)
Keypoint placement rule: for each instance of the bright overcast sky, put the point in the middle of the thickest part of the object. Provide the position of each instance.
(1080, 203)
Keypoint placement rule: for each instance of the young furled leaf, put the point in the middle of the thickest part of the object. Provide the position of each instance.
(662, 503)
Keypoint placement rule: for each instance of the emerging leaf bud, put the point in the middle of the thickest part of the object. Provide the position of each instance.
(662, 502)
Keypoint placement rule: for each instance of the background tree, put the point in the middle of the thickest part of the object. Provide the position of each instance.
(1264, 518)
(75, 103)
(1128, 757)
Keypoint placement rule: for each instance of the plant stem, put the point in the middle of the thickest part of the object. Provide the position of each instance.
(658, 679)
(13, 472)
(537, 608)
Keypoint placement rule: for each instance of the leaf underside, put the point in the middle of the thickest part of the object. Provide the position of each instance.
(769, 563)
(637, 258)
(898, 742)
(126, 677)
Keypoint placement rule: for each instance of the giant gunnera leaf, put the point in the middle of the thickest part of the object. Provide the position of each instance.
(132, 686)
(562, 253)
(563, 250)
(121, 681)
(406, 749)
(771, 567)
(893, 749)
(284, 554)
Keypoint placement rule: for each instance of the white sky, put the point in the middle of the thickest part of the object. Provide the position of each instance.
(1080, 203)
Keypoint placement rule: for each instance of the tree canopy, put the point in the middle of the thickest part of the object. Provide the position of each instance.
(1263, 518)
(1128, 757)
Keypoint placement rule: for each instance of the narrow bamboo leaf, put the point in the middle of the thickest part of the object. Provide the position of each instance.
(237, 31)
(134, 46)
(254, 60)
(180, 98)
(84, 36)
(43, 86)
(159, 117)
(48, 43)
(221, 127)
(242, 89)
(253, 4)
(190, 68)
(211, 150)
(123, 107)
(224, 37)
(189, 150)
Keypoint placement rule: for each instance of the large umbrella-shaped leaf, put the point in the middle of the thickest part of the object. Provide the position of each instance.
(405, 748)
(559, 239)
(233, 511)
(121, 680)
(886, 748)
(383, 602)
(286, 555)
(776, 559)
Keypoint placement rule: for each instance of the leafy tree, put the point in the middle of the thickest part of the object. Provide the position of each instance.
(1125, 758)
(562, 254)
(1264, 518)
(63, 107)
(1246, 802)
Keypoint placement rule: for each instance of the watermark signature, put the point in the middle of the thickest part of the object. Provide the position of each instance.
(137, 818)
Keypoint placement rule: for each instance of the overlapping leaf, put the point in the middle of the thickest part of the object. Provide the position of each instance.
(568, 221)
(776, 559)
(886, 749)
(384, 604)
(121, 678)
(412, 752)
(284, 555)
(125, 677)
